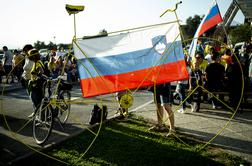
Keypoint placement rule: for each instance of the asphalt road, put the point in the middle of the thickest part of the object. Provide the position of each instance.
(16, 139)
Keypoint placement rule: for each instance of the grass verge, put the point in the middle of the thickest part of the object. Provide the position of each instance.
(130, 143)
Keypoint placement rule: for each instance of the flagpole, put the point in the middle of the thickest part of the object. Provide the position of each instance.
(223, 27)
(74, 27)
(201, 30)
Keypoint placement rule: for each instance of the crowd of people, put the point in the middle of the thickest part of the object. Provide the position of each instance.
(213, 73)
(27, 66)
(12, 65)
(212, 70)
(225, 71)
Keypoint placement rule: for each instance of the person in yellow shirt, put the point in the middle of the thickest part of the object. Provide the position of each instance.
(203, 65)
(202, 62)
(52, 66)
(17, 64)
(207, 49)
(35, 84)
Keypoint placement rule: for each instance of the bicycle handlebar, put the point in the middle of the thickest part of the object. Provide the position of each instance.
(52, 79)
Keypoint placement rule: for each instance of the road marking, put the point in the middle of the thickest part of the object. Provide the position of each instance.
(74, 98)
(8, 151)
(141, 106)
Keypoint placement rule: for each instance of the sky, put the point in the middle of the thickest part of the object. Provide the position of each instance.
(27, 21)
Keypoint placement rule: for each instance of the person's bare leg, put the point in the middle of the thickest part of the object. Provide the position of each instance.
(167, 107)
(160, 113)
(159, 126)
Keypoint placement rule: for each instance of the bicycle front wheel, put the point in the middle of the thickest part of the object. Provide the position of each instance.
(64, 106)
(42, 122)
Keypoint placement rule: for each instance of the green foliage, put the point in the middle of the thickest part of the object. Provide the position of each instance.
(192, 24)
(41, 45)
(65, 46)
(103, 32)
(241, 33)
(51, 45)
(130, 143)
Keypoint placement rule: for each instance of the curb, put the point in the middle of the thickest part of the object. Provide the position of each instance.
(73, 135)
(10, 88)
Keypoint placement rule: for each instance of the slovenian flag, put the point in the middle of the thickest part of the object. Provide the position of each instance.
(130, 60)
(212, 18)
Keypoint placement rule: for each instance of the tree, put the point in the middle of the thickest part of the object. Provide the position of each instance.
(192, 25)
(103, 32)
(39, 45)
(241, 33)
(65, 46)
(51, 46)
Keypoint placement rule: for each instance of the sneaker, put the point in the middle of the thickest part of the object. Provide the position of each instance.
(181, 110)
(158, 128)
(214, 107)
(121, 118)
(171, 133)
(193, 105)
(118, 112)
(197, 108)
(31, 115)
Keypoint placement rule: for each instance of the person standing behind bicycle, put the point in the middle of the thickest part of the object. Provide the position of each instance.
(36, 83)
(7, 64)
(195, 80)
(26, 76)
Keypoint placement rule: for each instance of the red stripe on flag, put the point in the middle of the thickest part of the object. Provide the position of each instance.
(132, 80)
(210, 23)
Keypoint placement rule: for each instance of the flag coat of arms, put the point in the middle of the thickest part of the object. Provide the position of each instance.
(130, 60)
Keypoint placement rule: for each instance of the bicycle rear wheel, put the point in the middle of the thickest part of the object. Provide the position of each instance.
(42, 122)
(64, 106)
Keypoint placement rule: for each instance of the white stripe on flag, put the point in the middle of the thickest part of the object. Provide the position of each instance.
(125, 42)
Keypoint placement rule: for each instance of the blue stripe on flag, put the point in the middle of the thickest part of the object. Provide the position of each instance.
(128, 62)
(213, 11)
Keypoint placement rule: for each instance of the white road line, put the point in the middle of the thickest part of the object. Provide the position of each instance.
(74, 98)
(141, 106)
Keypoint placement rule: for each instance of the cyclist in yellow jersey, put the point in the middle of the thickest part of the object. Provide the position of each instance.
(35, 84)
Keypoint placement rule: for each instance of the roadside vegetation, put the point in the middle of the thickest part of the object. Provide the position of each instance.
(130, 143)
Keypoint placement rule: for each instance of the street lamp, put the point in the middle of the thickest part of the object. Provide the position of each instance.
(54, 38)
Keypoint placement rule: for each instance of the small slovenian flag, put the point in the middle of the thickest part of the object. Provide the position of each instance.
(212, 18)
(130, 60)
